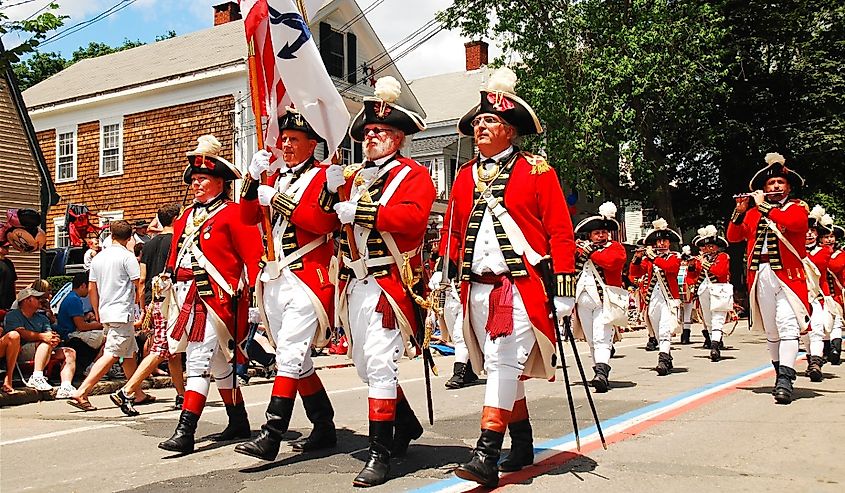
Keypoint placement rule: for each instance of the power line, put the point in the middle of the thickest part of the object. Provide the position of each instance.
(49, 2)
(122, 4)
(24, 2)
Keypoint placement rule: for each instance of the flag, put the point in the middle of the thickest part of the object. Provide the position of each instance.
(290, 70)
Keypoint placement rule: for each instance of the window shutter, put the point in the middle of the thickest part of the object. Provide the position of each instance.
(325, 43)
(358, 153)
(351, 58)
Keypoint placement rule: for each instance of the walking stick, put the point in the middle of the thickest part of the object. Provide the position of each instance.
(548, 281)
(548, 271)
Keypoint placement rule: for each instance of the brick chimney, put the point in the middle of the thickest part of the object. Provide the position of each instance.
(476, 54)
(226, 12)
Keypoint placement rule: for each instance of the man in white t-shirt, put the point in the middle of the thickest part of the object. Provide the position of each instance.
(114, 291)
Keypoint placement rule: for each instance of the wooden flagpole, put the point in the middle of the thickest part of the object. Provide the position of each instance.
(259, 134)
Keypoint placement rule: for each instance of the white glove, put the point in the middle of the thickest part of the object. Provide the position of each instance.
(162, 283)
(266, 194)
(334, 178)
(564, 306)
(260, 163)
(346, 211)
(686, 250)
(254, 316)
(435, 280)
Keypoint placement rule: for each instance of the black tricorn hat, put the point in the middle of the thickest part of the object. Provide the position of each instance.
(498, 98)
(661, 231)
(817, 220)
(293, 120)
(838, 232)
(606, 219)
(775, 166)
(709, 235)
(206, 159)
(382, 109)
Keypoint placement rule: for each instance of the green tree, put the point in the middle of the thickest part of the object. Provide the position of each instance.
(34, 30)
(38, 67)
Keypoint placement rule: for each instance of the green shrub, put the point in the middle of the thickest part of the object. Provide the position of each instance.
(56, 282)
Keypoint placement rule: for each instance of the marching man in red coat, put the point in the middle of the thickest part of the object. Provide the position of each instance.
(295, 294)
(775, 228)
(836, 281)
(385, 206)
(712, 288)
(660, 267)
(600, 261)
(820, 311)
(507, 211)
(214, 261)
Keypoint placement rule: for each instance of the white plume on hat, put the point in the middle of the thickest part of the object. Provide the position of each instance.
(502, 80)
(607, 210)
(660, 224)
(775, 157)
(826, 221)
(686, 250)
(817, 212)
(388, 89)
(208, 144)
(708, 231)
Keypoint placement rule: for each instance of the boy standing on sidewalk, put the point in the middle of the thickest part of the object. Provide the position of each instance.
(114, 289)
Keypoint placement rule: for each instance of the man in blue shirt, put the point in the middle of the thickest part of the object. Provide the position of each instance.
(39, 342)
(85, 337)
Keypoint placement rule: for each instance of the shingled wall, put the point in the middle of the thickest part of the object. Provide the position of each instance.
(154, 147)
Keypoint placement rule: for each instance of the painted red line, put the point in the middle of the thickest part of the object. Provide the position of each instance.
(562, 458)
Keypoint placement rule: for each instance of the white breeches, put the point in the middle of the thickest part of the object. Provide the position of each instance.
(599, 335)
(662, 318)
(375, 350)
(814, 340)
(504, 357)
(688, 307)
(714, 320)
(779, 320)
(293, 322)
(453, 314)
(838, 324)
(205, 359)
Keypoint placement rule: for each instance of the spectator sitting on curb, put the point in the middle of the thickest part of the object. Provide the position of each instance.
(85, 336)
(114, 289)
(10, 346)
(40, 342)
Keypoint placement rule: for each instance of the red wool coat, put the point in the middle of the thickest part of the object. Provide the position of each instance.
(229, 245)
(837, 268)
(311, 221)
(720, 268)
(611, 260)
(405, 217)
(820, 255)
(791, 220)
(670, 265)
(536, 203)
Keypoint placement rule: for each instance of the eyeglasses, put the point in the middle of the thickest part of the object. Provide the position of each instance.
(488, 121)
(376, 130)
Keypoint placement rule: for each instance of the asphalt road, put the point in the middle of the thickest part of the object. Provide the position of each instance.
(707, 426)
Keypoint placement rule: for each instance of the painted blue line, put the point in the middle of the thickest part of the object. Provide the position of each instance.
(447, 483)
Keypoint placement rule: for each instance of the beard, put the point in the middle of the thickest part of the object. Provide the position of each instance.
(382, 148)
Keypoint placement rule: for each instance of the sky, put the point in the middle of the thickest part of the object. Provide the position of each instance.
(145, 19)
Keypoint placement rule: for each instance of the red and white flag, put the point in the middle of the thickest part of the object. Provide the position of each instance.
(289, 69)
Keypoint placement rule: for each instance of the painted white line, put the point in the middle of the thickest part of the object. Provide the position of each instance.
(55, 434)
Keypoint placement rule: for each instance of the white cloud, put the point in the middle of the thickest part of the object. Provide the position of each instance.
(393, 20)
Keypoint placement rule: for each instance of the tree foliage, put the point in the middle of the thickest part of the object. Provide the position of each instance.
(34, 29)
(687, 95)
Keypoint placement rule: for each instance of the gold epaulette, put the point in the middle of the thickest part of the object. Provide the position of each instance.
(538, 163)
(351, 169)
(803, 204)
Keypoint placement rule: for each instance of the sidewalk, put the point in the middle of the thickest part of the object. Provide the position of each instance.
(26, 395)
